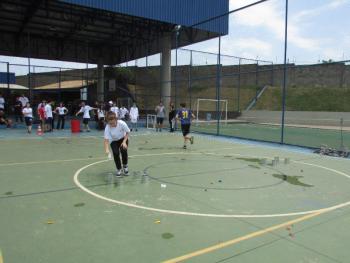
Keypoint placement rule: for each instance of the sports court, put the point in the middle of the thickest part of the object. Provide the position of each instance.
(174, 203)
(262, 86)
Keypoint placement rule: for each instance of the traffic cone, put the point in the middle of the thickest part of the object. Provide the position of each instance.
(39, 131)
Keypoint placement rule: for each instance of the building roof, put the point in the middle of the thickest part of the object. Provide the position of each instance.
(114, 31)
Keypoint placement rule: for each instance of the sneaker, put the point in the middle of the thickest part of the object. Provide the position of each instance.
(185, 147)
(126, 171)
(191, 139)
(118, 173)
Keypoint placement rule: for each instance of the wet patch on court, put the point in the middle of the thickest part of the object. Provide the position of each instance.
(252, 160)
(294, 180)
(167, 235)
(79, 204)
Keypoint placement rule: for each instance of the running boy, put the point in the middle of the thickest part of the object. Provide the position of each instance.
(185, 115)
(85, 109)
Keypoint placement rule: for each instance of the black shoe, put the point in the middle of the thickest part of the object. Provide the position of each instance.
(185, 147)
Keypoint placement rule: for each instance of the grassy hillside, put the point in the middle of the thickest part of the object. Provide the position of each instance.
(306, 99)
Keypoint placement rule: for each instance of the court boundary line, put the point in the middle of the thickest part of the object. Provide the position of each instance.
(79, 185)
(245, 237)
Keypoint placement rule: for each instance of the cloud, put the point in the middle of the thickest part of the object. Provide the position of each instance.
(316, 11)
(270, 16)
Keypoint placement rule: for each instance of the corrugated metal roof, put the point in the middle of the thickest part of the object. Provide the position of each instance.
(4, 76)
(183, 12)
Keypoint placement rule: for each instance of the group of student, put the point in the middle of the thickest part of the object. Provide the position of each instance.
(116, 134)
(101, 109)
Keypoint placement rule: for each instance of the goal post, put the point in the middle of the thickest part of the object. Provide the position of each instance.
(210, 106)
(151, 121)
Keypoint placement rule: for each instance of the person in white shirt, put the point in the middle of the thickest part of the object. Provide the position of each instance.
(123, 113)
(116, 135)
(62, 111)
(101, 117)
(85, 109)
(160, 111)
(48, 117)
(28, 117)
(24, 100)
(134, 116)
(114, 109)
(2, 102)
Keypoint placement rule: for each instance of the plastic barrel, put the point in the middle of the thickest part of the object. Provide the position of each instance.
(75, 126)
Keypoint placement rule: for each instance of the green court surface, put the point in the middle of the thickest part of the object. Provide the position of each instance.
(220, 200)
(302, 136)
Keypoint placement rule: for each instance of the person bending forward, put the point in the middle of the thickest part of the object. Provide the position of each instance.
(116, 136)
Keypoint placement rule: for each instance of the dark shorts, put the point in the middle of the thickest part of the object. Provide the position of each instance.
(185, 128)
(28, 120)
(48, 120)
(160, 120)
(86, 120)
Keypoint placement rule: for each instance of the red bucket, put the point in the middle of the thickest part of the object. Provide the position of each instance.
(75, 126)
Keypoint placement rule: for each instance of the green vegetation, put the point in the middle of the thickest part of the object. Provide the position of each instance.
(306, 99)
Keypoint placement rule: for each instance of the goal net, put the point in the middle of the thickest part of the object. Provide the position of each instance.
(207, 111)
(151, 121)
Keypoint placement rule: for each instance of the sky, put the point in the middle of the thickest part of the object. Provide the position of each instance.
(317, 30)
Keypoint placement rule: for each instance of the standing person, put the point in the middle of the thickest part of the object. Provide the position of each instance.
(41, 113)
(18, 110)
(85, 109)
(123, 113)
(116, 135)
(185, 116)
(172, 114)
(48, 117)
(114, 108)
(101, 117)
(2, 102)
(24, 100)
(134, 116)
(160, 111)
(28, 117)
(4, 120)
(62, 111)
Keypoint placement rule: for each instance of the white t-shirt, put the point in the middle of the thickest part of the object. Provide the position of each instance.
(123, 112)
(116, 133)
(86, 110)
(23, 100)
(134, 114)
(115, 109)
(100, 113)
(61, 110)
(28, 112)
(48, 111)
(2, 103)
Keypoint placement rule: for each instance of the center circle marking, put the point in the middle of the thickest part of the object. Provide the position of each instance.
(177, 212)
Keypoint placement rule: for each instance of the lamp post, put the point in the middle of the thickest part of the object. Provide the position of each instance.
(177, 29)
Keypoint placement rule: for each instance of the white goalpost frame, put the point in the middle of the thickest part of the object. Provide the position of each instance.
(198, 100)
(151, 119)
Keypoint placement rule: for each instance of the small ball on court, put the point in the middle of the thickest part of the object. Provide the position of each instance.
(219, 181)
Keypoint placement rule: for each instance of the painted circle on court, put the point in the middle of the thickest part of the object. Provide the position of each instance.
(178, 212)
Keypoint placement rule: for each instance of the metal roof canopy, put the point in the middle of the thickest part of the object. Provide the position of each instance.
(61, 31)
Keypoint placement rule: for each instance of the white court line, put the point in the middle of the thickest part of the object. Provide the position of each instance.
(77, 182)
(130, 156)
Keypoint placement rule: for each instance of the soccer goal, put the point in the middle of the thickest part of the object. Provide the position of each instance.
(207, 110)
(151, 121)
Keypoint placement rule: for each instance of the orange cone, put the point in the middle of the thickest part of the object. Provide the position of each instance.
(39, 131)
